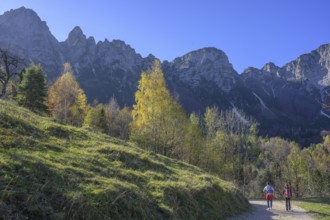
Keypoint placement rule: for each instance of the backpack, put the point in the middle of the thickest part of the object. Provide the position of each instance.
(270, 191)
(287, 192)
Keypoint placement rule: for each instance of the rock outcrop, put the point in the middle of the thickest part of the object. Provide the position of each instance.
(105, 69)
(23, 33)
(312, 68)
(208, 64)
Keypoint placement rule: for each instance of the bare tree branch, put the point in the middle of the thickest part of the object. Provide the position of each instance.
(10, 66)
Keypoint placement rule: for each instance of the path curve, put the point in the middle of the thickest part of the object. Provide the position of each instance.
(259, 212)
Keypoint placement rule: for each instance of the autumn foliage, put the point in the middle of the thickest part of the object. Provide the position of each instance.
(67, 102)
(158, 121)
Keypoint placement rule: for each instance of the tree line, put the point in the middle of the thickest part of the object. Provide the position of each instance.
(220, 142)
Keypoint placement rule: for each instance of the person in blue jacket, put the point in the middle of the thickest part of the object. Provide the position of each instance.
(269, 190)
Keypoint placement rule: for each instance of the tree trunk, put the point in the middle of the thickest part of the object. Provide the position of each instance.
(3, 90)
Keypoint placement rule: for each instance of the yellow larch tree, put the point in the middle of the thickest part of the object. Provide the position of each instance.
(67, 102)
(158, 121)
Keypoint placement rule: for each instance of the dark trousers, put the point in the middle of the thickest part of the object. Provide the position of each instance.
(269, 203)
(287, 204)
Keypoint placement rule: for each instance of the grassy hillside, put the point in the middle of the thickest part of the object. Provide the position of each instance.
(318, 207)
(53, 171)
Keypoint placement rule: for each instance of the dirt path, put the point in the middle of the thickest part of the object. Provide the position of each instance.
(259, 212)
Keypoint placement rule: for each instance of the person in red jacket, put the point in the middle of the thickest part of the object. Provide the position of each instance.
(287, 193)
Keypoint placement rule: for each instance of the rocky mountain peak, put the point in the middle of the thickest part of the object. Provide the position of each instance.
(250, 70)
(91, 40)
(23, 18)
(76, 33)
(324, 50)
(252, 73)
(205, 55)
(313, 68)
(25, 34)
(209, 64)
(76, 30)
(116, 46)
(22, 12)
(77, 47)
(270, 67)
(120, 44)
(266, 74)
(76, 38)
(118, 54)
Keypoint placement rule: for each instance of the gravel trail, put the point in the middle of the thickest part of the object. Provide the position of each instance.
(260, 212)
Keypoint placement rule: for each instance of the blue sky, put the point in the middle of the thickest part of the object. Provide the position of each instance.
(250, 32)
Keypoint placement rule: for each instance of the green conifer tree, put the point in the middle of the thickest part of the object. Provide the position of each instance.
(95, 119)
(32, 90)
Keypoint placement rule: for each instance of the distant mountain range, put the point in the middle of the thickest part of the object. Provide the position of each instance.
(292, 101)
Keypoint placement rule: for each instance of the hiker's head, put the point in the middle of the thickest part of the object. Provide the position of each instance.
(287, 185)
(268, 183)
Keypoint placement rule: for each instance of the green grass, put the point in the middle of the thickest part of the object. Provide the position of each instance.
(318, 207)
(54, 171)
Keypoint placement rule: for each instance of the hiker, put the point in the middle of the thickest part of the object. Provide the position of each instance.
(287, 193)
(269, 190)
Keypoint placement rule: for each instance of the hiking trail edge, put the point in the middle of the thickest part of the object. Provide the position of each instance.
(259, 211)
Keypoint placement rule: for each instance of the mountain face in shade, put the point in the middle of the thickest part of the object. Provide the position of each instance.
(300, 87)
(23, 33)
(292, 101)
(298, 94)
(104, 69)
(202, 78)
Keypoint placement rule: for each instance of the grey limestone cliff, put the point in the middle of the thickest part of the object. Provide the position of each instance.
(314, 68)
(208, 64)
(23, 33)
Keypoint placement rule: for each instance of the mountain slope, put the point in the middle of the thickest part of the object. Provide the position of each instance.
(202, 78)
(313, 67)
(104, 69)
(296, 96)
(53, 171)
(23, 33)
(292, 101)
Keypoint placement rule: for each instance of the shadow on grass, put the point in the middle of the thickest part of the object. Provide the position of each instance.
(35, 190)
(193, 203)
(64, 132)
(319, 214)
(19, 126)
(134, 161)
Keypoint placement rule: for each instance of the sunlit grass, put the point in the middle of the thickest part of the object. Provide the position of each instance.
(54, 171)
(318, 207)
